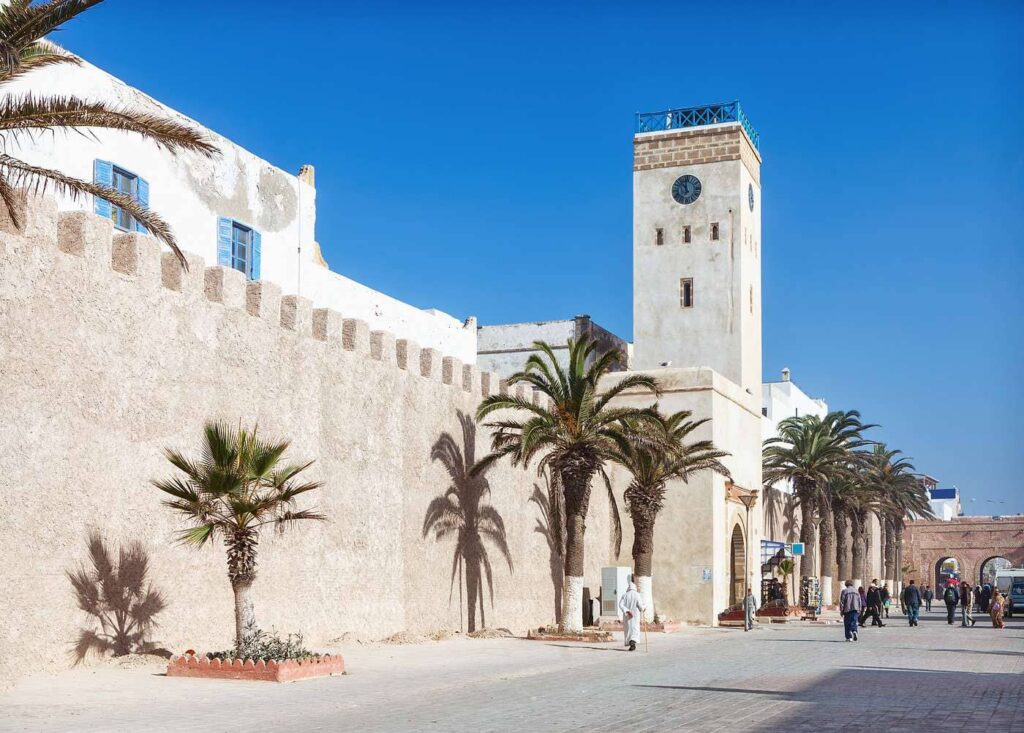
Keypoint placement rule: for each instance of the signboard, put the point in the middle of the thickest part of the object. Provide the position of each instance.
(705, 575)
(798, 548)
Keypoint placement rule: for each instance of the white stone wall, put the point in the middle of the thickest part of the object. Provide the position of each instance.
(112, 353)
(191, 192)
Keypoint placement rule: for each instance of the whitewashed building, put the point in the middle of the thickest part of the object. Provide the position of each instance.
(784, 399)
(236, 210)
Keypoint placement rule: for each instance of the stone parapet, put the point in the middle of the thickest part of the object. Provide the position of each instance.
(696, 146)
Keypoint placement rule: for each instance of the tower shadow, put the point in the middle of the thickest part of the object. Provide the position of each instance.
(549, 525)
(462, 511)
(120, 600)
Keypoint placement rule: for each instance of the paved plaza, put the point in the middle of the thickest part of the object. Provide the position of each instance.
(782, 678)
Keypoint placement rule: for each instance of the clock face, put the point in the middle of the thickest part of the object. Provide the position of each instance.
(750, 195)
(686, 189)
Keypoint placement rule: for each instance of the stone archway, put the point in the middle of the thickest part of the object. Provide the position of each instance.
(737, 565)
(988, 566)
(947, 568)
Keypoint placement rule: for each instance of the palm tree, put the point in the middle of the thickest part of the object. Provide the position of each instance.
(462, 511)
(664, 455)
(573, 436)
(810, 451)
(899, 494)
(23, 25)
(239, 485)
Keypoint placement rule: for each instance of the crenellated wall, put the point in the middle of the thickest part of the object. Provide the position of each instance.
(110, 352)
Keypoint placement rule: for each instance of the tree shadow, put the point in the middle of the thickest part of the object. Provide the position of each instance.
(120, 600)
(463, 512)
(549, 525)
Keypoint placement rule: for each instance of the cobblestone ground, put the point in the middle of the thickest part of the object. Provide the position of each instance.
(793, 678)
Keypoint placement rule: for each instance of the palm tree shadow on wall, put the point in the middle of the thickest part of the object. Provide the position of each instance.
(462, 511)
(120, 600)
(549, 525)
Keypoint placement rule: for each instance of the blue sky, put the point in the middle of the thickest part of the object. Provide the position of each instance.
(476, 157)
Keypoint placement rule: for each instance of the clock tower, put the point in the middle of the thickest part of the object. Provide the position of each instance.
(697, 242)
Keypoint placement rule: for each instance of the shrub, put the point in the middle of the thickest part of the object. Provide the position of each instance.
(259, 644)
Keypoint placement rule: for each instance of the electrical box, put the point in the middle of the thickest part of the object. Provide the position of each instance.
(614, 583)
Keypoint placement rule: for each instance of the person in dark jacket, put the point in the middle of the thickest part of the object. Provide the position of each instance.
(874, 606)
(928, 595)
(950, 597)
(966, 605)
(912, 602)
(986, 597)
(886, 598)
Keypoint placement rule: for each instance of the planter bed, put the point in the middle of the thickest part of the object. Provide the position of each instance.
(284, 671)
(661, 627)
(589, 634)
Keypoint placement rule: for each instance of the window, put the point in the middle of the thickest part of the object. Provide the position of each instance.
(686, 235)
(123, 181)
(239, 247)
(751, 298)
(764, 411)
(686, 292)
(714, 231)
(659, 236)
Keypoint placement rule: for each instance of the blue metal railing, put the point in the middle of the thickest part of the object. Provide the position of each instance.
(708, 114)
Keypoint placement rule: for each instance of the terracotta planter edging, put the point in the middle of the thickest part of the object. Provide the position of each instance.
(273, 671)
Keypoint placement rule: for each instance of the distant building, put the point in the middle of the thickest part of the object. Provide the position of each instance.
(944, 503)
(505, 348)
(783, 399)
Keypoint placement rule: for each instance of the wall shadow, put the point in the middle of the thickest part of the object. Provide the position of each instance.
(120, 600)
(549, 525)
(461, 511)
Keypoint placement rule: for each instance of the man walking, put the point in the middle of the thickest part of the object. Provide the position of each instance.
(631, 604)
(912, 602)
(874, 605)
(928, 595)
(749, 608)
(850, 605)
(950, 598)
(966, 605)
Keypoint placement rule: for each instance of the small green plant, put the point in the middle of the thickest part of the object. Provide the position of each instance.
(259, 644)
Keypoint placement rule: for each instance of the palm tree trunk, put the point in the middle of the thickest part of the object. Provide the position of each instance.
(890, 554)
(828, 554)
(808, 566)
(858, 548)
(575, 474)
(472, 593)
(842, 547)
(241, 548)
(643, 552)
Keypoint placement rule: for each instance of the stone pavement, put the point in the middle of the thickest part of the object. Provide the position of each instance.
(781, 678)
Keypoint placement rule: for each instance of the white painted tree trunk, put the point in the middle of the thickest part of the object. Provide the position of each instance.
(645, 586)
(826, 590)
(857, 583)
(572, 603)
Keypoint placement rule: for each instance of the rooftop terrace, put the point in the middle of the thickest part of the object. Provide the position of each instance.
(708, 114)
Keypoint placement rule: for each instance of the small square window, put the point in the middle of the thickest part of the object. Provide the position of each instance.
(686, 292)
(764, 411)
(659, 236)
(686, 235)
(714, 231)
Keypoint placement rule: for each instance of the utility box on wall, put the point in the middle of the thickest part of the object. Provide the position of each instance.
(614, 582)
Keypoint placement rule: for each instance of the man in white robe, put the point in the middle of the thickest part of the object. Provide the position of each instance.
(631, 604)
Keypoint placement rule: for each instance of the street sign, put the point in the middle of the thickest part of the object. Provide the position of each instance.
(798, 548)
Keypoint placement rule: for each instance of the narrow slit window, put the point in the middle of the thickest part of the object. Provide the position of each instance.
(714, 231)
(686, 235)
(751, 298)
(686, 292)
(659, 236)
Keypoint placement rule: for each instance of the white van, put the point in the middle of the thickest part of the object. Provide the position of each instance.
(1006, 577)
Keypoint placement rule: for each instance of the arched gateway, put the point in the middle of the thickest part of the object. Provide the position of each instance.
(966, 547)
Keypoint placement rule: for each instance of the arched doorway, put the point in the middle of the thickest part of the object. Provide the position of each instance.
(948, 569)
(737, 565)
(987, 573)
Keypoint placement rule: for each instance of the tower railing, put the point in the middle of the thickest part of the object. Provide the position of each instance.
(708, 114)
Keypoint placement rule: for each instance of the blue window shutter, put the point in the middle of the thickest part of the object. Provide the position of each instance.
(103, 174)
(224, 242)
(254, 264)
(142, 194)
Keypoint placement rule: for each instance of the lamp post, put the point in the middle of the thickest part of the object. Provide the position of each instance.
(749, 499)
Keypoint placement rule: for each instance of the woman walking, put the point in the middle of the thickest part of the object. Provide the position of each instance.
(996, 609)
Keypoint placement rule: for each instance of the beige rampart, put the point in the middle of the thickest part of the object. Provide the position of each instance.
(111, 352)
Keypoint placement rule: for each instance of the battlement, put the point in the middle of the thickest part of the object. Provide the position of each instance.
(144, 260)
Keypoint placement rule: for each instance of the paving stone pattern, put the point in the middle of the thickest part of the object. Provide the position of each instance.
(795, 678)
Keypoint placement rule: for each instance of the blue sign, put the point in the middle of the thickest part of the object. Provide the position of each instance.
(798, 548)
